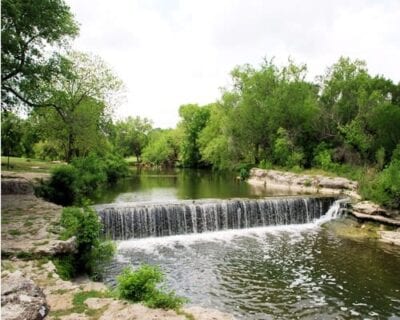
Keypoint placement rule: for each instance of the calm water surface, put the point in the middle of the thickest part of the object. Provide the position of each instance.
(153, 185)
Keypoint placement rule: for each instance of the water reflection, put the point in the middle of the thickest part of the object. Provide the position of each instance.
(157, 185)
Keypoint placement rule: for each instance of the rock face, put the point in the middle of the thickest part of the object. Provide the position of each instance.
(274, 179)
(21, 299)
(391, 237)
(368, 207)
(16, 186)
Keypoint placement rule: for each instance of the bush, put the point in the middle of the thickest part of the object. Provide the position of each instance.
(72, 184)
(62, 188)
(92, 174)
(141, 285)
(92, 253)
(115, 168)
(385, 188)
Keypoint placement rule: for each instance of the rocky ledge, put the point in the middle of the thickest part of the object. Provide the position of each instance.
(21, 298)
(36, 291)
(302, 183)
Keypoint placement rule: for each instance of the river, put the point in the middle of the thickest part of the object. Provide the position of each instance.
(294, 271)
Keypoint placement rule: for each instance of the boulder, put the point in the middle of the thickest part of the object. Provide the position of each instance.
(368, 207)
(392, 237)
(337, 183)
(21, 299)
(58, 247)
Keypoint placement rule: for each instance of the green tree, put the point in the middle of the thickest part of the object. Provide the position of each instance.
(132, 135)
(83, 98)
(163, 148)
(194, 119)
(11, 135)
(28, 29)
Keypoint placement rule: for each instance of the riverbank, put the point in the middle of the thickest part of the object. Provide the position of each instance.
(363, 211)
(31, 287)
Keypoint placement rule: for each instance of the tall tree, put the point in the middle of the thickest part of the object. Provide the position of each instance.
(83, 99)
(194, 119)
(30, 32)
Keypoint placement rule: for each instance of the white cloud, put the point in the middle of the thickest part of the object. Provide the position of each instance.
(169, 53)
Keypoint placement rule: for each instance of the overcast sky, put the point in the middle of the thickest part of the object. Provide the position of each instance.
(171, 52)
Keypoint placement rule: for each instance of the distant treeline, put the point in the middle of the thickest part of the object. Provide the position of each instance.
(271, 116)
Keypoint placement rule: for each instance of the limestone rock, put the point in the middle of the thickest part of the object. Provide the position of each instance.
(21, 299)
(58, 247)
(391, 237)
(368, 207)
(337, 183)
(16, 186)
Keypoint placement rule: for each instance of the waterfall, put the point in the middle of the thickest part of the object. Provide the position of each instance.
(140, 220)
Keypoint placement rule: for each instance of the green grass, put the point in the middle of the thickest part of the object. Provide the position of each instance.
(14, 232)
(132, 161)
(79, 305)
(27, 165)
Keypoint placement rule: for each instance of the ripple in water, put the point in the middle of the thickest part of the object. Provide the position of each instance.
(296, 272)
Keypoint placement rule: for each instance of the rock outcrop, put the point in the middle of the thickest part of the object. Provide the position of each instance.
(302, 183)
(391, 237)
(367, 210)
(16, 186)
(21, 299)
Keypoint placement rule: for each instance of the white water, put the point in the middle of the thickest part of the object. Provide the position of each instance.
(149, 245)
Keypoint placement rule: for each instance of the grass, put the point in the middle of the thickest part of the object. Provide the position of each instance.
(14, 232)
(131, 160)
(79, 305)
(27, 165)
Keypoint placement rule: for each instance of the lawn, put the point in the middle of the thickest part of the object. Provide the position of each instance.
(27, 165)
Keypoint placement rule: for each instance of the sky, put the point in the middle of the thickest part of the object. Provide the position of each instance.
(173, 52)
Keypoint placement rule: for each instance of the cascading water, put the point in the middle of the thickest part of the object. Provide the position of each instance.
(140, 220)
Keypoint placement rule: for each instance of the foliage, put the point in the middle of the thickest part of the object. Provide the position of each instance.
(163, 148)
(11, 134)
(92, 252)
(131, 136)
(28, 29)
(91, 174)
(115, 168)
(385, 188)
(82, 98)
(142, 285)
(194, 119)
(73, 183)
(63, 187)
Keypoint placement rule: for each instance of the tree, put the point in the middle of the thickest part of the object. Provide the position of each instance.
(82, 100)
(163, 148)
(28, 29)
(194, 119)
(132, 135)
(11, 134)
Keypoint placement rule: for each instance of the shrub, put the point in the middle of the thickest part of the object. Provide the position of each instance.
(72, 184)
(92, 253)
(385, 188)
(142, 285)
(92, 174)
(265, 164)
(323, 159)
(62, 188)
(165, 300)
(115, 168)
